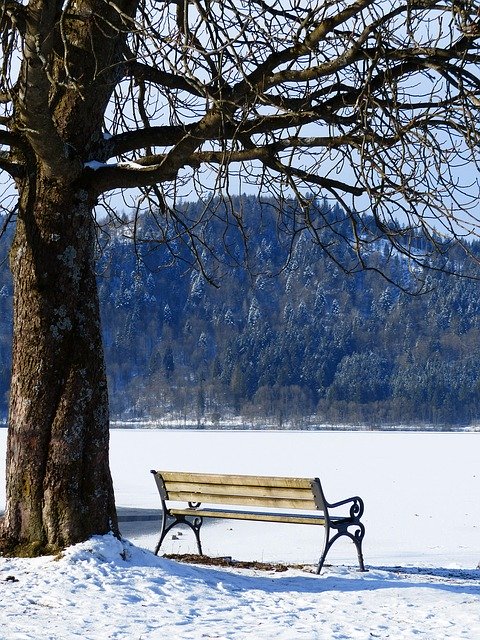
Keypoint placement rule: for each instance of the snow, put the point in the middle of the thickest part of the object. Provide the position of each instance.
(422, 517)
(95, 165)
(131, 165)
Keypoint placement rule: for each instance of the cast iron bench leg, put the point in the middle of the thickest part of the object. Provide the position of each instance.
(194, 526)
(356, 538)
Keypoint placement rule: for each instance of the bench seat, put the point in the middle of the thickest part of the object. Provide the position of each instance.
(263, 516)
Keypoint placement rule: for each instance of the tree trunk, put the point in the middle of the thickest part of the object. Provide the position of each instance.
(59, 488)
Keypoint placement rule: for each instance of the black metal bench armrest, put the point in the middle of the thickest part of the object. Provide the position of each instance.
(356, 509)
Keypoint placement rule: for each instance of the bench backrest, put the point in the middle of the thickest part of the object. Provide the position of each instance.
(254, 491)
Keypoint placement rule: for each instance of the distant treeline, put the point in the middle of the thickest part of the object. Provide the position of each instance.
(283, 340)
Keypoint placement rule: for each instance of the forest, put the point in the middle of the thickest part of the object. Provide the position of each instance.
(272, 331)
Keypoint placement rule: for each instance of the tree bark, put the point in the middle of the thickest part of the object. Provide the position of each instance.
(59, 488)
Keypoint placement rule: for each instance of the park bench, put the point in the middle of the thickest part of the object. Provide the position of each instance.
(186, 499)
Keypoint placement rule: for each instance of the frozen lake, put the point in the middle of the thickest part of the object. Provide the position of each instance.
(422, 517)
(421, 490)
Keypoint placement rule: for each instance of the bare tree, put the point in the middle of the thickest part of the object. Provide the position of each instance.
(372, 103)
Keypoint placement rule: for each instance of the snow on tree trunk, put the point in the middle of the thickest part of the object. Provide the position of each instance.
(59, 488)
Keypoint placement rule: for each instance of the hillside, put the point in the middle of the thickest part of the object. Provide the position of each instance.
(280, 343)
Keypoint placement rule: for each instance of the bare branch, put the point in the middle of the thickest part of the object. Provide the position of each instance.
(35, 119)
(140, 71)
(372, 102)
(13, 16)
(10, 139)
(14, 169)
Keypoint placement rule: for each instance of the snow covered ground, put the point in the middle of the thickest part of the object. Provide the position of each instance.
(422, 546)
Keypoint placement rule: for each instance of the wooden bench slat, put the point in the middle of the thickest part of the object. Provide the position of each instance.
(238, 490)
(289, 518)
(260, 481)
(258, 501)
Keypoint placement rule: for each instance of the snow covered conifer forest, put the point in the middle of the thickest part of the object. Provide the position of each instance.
(285, 340)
